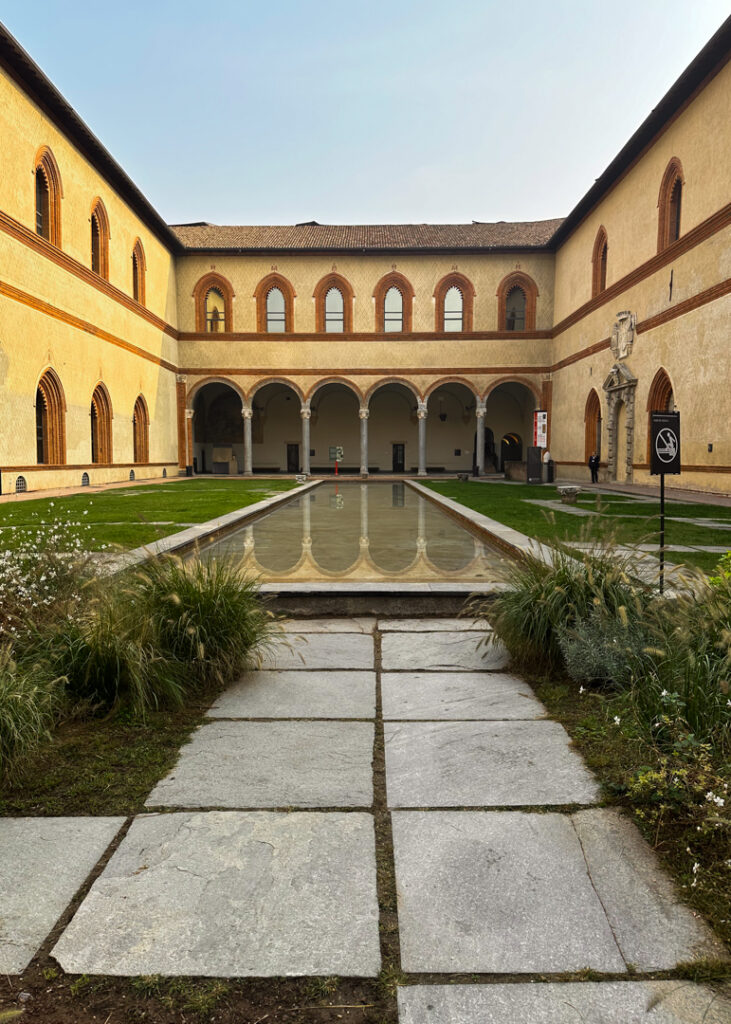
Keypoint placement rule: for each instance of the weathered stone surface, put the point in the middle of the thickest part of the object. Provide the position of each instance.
(457, 695)
(439, 652)
(654, 931)
(43, 861)
(321, 694)
(232, 894)
(453, 625)
(321, 650)
(483, 764)
(272, 764)
(360, 624)
(609, 1002)
(496, 892)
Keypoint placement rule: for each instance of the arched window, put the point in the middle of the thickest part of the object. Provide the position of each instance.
(206, 304)
(99, 239)
(101, 426)
(141, 431)
(592, 425)
(394, 297)
(599, 263)
(659, 399)
(139, 267)
(669, 205)
(48, 197)
(517, 296)
(333, 305)
(454, 302)
(274, 305)
(50, 421)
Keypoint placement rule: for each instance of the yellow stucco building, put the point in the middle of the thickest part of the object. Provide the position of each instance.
(132, 349)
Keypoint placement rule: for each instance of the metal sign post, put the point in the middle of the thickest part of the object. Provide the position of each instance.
(664, 458)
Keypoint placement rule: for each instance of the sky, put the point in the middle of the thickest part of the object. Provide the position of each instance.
(363, 111)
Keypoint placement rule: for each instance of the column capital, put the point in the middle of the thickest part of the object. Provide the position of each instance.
(421, 410)
(181, 378)
(247, 412)
(364, 412)
(189, 414)
(480, 407)
(305, 411)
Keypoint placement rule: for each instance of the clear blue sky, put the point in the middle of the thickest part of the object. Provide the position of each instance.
(363, 111)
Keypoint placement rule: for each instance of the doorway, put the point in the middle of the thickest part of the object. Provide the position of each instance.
(293, 458)
(398, 458)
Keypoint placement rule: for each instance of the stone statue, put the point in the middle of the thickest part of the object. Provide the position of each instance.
(623, 334)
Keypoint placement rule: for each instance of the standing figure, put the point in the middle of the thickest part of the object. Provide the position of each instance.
(594, 467)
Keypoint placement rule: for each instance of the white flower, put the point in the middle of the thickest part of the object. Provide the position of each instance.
(664, 693)
(616, 720)
(581, 689)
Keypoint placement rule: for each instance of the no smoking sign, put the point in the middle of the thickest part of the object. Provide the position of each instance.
(665, 443)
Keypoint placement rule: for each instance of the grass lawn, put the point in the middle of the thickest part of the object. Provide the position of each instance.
(635, 521)
(130, 516)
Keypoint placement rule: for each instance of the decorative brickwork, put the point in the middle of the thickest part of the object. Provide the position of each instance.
(517, 279)
(262, 290)
(101, 426)
(394, 280)
(599, 263)
(321, 289)
(51, 416)
(141, 431)
(669, 203)
(467, 291)
(659, 399)
(100, 239)
(213, 282)
(592, 425)
(48, 226)
(139, 269)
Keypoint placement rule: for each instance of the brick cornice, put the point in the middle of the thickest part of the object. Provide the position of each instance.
(400, 337)
(298, 371)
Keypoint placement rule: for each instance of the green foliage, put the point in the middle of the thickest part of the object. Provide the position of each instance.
(603, 649)
(28, 707)
(724, 571)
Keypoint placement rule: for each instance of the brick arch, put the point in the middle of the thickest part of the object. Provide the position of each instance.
(335, 380)
(392, 380)
(101, 426)
(276, 380)
(514, 380)
(517, 279)
(660, 398)
(395, 280)
(467, 289)
(139, 269)
(53, 417)
(99, 216)
(201, 290)
(262, 290)
(214, 380)
(672, 177)
(451, 380)
(599, 262)
(592, 424)
(322, 287)
(45, 162)
(141, 431)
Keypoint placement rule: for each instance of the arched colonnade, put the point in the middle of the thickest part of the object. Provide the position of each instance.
(392, 426)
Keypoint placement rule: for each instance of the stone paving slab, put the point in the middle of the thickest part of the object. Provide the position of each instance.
(457, 695)
(497, 892)
(432, 626)
(272, 764)
(43, 861)
(609, 1002)
(439, 652)
(321, 650)
(232, 895)
(653, 929)
(484, 764)
(360, 624)
(322, 694)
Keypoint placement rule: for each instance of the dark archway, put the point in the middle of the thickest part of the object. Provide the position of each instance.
(218, 430)
(509, 415)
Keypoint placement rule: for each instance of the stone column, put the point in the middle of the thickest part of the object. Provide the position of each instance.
(363, 413)
(364, 514)
(189, 440)
(421, 415)
(305, 413)
(480, 442)
(247, 412)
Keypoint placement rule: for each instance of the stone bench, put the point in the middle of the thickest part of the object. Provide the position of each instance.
(569, 493)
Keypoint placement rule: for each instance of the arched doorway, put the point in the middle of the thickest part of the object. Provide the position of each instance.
(276, 429)
(393, 429)
(450, 429)
(334, 423)
(218, 430)
(509, 415)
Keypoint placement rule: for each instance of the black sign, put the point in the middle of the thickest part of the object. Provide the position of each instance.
(664, 443)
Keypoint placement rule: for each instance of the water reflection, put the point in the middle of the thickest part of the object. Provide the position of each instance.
(368, 531)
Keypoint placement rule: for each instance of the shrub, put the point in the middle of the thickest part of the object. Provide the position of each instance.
(604, 650)
(28, 707)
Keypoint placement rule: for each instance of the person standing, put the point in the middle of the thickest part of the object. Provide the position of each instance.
(594, 467)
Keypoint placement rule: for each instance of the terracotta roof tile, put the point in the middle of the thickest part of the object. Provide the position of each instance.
(367, 236)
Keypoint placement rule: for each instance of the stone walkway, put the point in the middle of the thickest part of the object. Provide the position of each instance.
(258, 855)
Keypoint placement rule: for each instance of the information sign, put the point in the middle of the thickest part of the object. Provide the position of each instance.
(664, 443)
(540, 428)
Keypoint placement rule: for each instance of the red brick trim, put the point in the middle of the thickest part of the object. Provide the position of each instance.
(394, 380)
(54, 435)
(101, 426)
(592, 413)
(141, 431)
(255, 388)
(318, 385)
(180, 409)
(139, 270)
(599, 263)
(207, 283)
(465, 286)
(716, 291)
(45, 162)
(100, 216)
(451, 380)
(517, 279)
(321, 289)
(512, 377)
(262, 290)
(673, 174)
(394, 280)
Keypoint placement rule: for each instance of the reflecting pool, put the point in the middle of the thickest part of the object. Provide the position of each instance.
(373, 532)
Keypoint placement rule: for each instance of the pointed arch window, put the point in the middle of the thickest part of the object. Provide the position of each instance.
(661, 398)
(48, 197)
(517, 296)
(599, 263)
(393, 311)
(276, 311)
(334, 311)
(592, 425)
(333, 297)
(274, 305)
(213, 296)
(99, 239)
(394, 297)
(141, 431)
(50, 421)
(139, 267)
(669, 205)
(101, 426)
(215, 311)
(454, 303)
